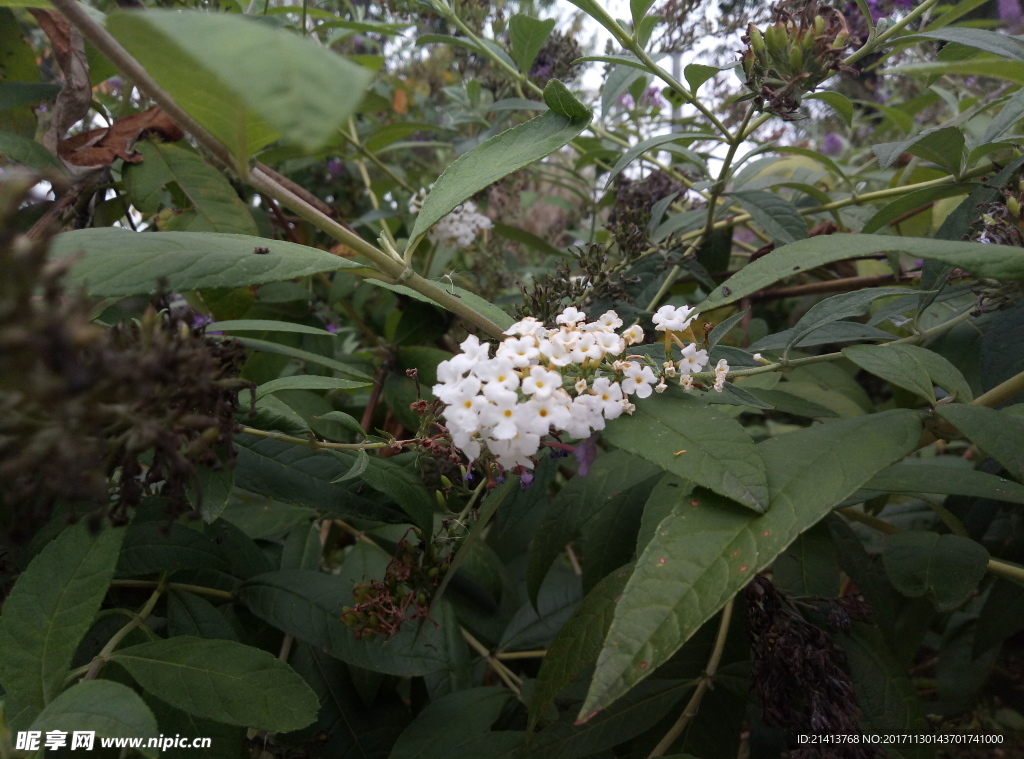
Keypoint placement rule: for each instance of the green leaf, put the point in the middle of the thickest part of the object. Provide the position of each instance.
(946, 567)
(578, 644)
(994, 261)
(308, 356)
(216, 205)
(810, 566)
(697, 73)
(430, 735)
(944, 476)
(884, 691)
(298, 475)
(682, 436)
(503, 154)
(264, 325)
(649, 144)
(109, 709)
(1000, 434)
(919, 199)
(189, 614)
(307, 604)
(153, 547)
(982, 65)
(980, 39)
(1012, 112)
(13, 94)
(117, 262)
(705, 551)
(527, 35)
(222, 680)
(842, 306)
(258, 82)
(776, 215)
(530, 628)
(50, 608)
(942, 146)
(839, 103)
(357, 467)
(834, 332)
(307, 382)
(397, 482)
(28, 152)
(638, 9)
(910, 367)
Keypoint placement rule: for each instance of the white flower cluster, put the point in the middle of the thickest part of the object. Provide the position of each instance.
(542, 380)
(459, 228)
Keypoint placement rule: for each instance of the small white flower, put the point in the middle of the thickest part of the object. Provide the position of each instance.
(638, 380)
(669, 369)
(570, 316)
(633, 335)
(670, 318)
(693, 360)
(581, 385)
(686, 382)
(541, 382)
(661, 386)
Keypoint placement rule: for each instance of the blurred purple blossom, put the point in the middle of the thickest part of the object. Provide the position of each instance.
(525, 480)
(585, 454)
(335, 167)
(832, 144)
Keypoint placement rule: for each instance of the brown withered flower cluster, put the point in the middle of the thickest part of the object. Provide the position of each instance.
(799, 673)
(792, 56)
(410, 581)
(96, 417)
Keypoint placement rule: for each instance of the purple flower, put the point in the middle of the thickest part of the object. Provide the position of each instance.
(831, 145)
(199, 320)
(653, 98)
(332, 328)
(335, 167)
(585, 454)
(525, 480)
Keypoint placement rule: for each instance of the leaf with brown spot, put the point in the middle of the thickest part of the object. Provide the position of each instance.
(75, 96)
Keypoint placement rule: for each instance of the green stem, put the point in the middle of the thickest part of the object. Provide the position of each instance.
(201, 590)
(392, 267)
(1002, 392)
(716, 192)
(1006, 569)
(871, 45)
(137, 621)
(319, 444)
(703, 686)
(825, 357)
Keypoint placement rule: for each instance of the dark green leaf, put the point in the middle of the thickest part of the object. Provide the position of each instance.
(501, 155)
(944, 476)
(264, 325)
(189, 614)
(50, 608)
(299, 475)
(308, 382)
(307, 356)
(705, 551)
(919, 199)
(533, 628)
(430, 735)
(910, 367)
(109, 709)
(942, 146)
(638, 9)
(13, 94)
(216, 205)
(810, 566)
(528, 35)
(946, 567)
(999, 433)
(394, 480)
(835, 332)
(578, 644)
(307, 604)
(837, 307)
(980, 39)
(839, 103)
(774, 214)
(684, 437)
(28, 152)
(995, 261)
(119, 262)
(1001, 616)
(222, 680)
(153, 547)
(697, 73)
(258, 82)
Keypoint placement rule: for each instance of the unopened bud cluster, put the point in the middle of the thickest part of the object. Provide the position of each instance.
(793, 56)
(568, 379)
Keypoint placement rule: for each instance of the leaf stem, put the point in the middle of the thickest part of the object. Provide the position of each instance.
(873, 44)
(703, 685)
(1002, 392)
(999, 567)
(201, 590)
(510, 678)
(320, 444)
(136, 621)
(388, 265)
